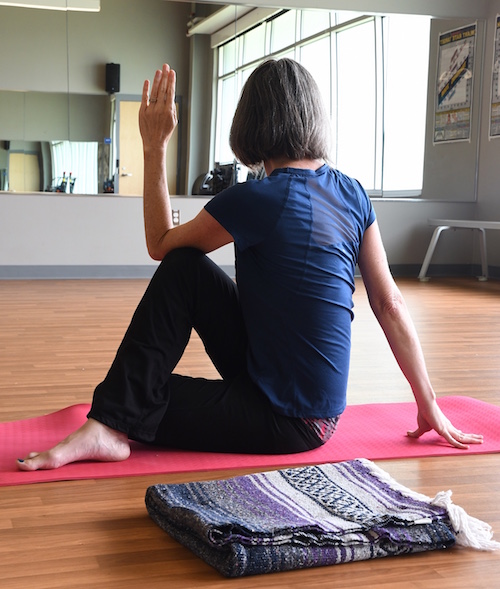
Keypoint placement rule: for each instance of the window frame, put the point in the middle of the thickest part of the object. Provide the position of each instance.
(336, 26)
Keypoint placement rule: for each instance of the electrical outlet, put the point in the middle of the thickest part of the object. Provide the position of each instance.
(176, 217)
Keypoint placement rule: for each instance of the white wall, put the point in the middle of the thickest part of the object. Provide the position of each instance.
(52, 51)
(488, 206)
(98, 235)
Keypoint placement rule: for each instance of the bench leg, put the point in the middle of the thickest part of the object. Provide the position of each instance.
(430, 251)
(482, 249)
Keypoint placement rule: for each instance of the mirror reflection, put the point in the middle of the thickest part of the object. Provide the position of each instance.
(38, 150)
(58, 117)
(55, 166)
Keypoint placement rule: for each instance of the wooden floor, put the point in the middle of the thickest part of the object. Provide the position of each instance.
(57, 339)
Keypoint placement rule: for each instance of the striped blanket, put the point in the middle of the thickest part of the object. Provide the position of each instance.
(302, 517)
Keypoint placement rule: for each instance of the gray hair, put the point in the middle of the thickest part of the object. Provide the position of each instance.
(280, 114)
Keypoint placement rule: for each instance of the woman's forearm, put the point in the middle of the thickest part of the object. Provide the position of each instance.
(157, 122)
(399, 329)
(156, 203)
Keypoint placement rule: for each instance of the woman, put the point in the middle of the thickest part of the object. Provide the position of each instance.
(280, 336)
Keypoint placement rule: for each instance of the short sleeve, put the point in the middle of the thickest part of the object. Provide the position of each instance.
(248, 211)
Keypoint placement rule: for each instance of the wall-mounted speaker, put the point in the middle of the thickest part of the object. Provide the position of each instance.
(112, 78)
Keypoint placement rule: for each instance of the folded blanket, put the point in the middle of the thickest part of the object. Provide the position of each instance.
(308, 516)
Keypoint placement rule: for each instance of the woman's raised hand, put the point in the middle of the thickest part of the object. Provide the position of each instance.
(158, 113)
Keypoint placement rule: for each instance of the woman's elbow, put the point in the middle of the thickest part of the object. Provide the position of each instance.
(158, 247)
(156, 257)
(155, 252)
(390, 305)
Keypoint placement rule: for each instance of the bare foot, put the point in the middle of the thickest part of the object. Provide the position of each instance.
(93, 441)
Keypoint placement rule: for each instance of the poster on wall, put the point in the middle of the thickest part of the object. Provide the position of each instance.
(495, 90)
(452, 120)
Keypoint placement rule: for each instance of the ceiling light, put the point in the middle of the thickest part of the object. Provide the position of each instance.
(75, 5)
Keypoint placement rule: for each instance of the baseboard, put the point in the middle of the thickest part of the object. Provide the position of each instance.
(443, 270)
(74, 272)
(82, 272)
(147, 271)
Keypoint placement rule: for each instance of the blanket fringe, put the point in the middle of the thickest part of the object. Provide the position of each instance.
(471, 532)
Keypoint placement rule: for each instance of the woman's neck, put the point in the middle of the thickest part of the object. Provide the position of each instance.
(305, 164)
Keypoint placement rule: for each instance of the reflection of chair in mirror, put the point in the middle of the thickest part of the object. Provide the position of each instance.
(4, 181)
(79, 156)
(72, 181)
(109, 186)
(62, 184)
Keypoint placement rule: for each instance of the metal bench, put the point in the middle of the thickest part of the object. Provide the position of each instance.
(443, 224)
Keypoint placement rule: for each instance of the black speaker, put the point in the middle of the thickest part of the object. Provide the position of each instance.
(112, 78)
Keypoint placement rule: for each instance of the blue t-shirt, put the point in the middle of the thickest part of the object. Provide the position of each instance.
(297, 236)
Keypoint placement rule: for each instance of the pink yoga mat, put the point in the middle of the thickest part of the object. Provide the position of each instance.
(374, 431)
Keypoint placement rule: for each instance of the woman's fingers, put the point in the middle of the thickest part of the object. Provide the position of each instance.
(163, 88)
(158, 112)
(156, 86)
(470, 438)
(455, 440)
(162, 91)
(164, 83)
(145, 95)
(454, 437)
(461, 440)
(170, 91)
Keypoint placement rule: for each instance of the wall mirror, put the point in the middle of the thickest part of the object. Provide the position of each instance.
(51, 140)
(72, 121)
(61, 127)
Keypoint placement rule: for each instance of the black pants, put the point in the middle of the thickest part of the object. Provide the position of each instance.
(142, 398)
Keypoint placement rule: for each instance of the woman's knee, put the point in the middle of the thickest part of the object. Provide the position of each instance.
(180, 263)
(182, 257)
(192, 265)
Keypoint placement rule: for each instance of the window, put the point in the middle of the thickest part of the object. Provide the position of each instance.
(405, 101)
(74, 166)
(373, 78)
(356, 108)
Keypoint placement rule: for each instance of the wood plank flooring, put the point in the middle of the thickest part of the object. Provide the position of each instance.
(57, 339)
